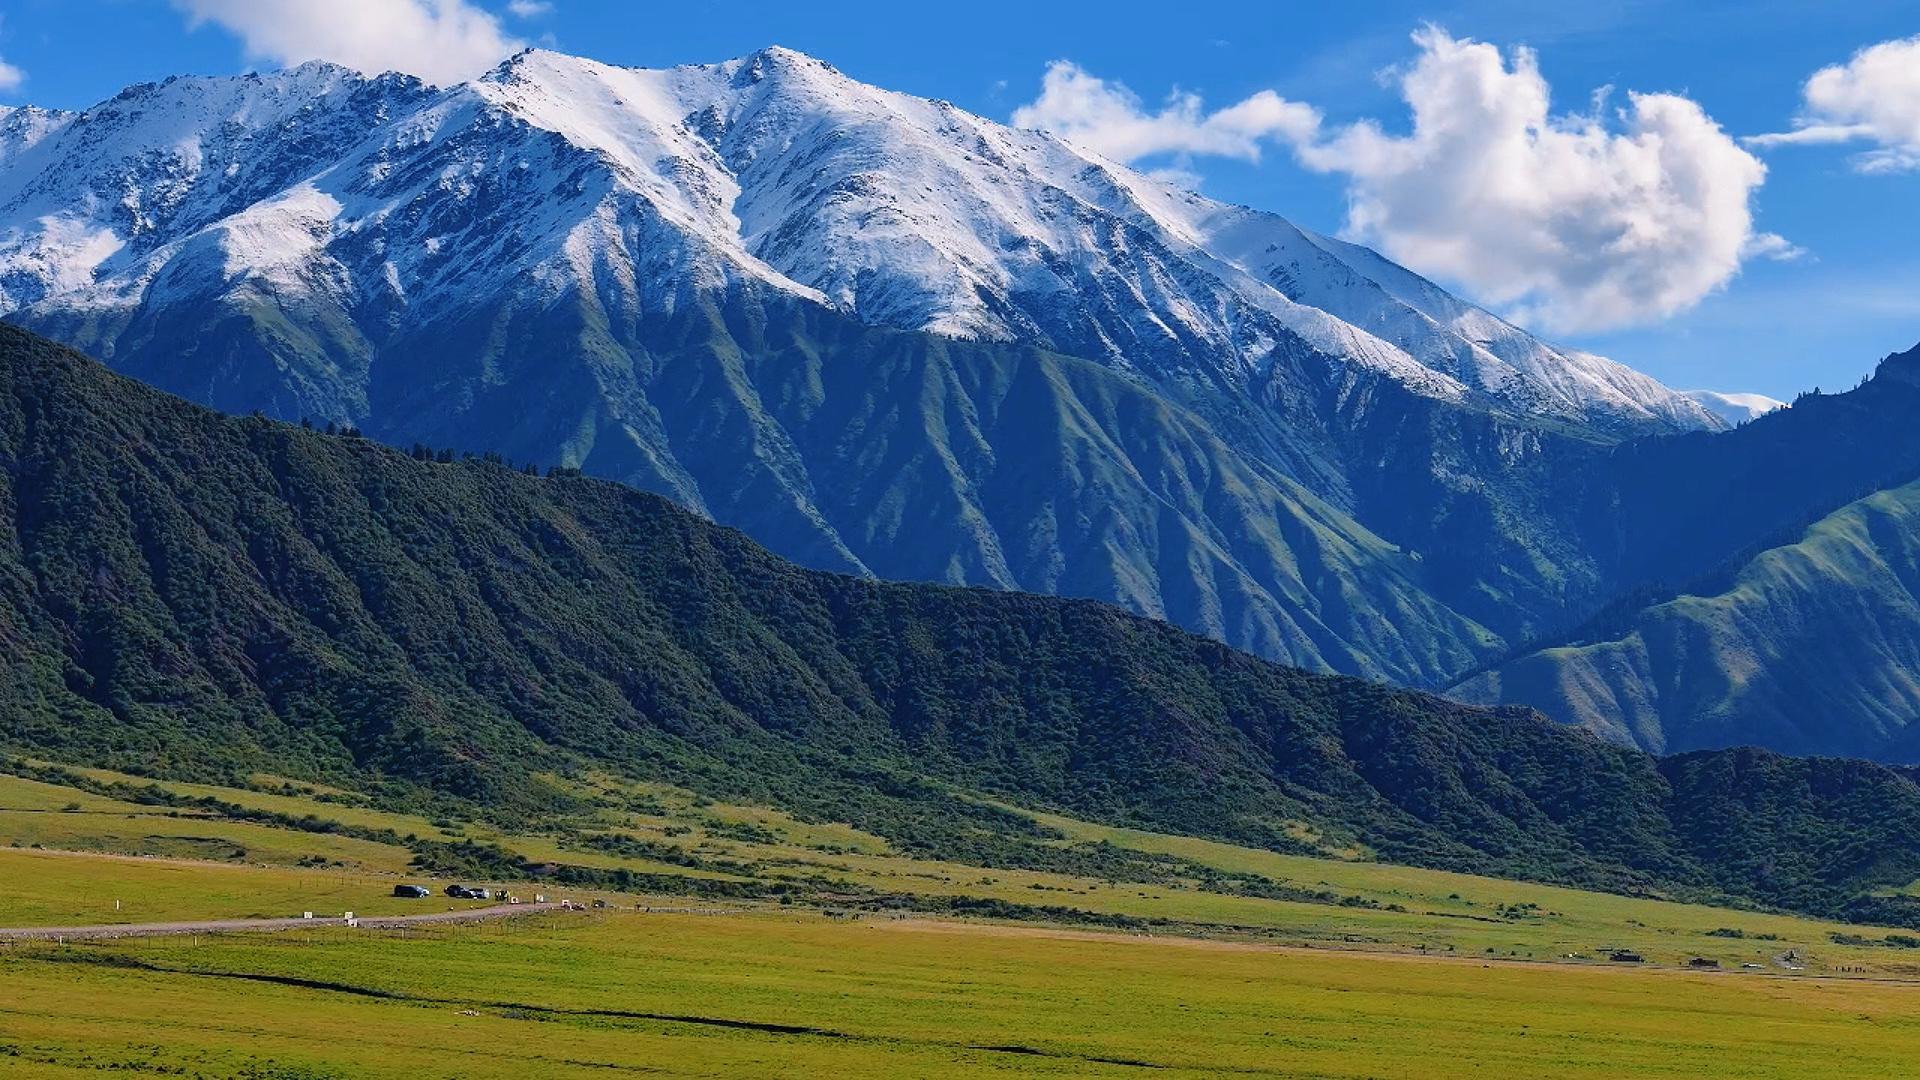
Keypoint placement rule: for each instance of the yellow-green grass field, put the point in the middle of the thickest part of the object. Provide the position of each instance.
(1472, 975)
(805, 995)
(1443, 913)
(55, 888)
(1568, 920)
(346, 813)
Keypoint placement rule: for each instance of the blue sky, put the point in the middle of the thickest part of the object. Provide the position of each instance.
(1823, 318)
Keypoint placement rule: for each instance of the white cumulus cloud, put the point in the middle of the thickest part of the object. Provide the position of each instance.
(1577, 222)
(442, 41)
(529, 9)
(1572, 221)
(1873, 97)
(11, 77)
(1110, 119)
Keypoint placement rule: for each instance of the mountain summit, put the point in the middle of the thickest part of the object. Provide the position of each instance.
(773, 169)
(882, 335)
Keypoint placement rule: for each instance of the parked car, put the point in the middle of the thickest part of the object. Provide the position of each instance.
(458, 892)
(412, 892)
(478, 893)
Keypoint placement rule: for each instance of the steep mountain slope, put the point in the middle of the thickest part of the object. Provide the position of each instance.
(1812, 648)
(1673, 509)
(189, 594)
(685, 279)
(1774, 603)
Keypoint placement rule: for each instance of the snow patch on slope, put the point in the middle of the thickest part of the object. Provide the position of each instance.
(1734, 409)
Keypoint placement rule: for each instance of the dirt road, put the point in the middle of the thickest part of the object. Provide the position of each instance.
(215, 926)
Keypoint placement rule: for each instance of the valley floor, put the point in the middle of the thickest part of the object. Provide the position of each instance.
(804, 995)
(1184, 970)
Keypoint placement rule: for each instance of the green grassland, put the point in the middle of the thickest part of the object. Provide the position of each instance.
(1408, 972)
(51, 888)
(800, 995)
(686, 849)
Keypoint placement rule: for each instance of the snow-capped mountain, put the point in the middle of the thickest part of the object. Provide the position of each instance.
(90, 197)
(878, 333)
(554, 173)
(1734, 409)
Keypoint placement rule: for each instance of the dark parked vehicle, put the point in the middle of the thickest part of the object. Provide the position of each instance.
(458, 892)
(412, 892)
(463, 892)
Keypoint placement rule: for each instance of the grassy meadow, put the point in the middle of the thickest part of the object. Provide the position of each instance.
(805, 995)
(193, 863)
(1391, 971)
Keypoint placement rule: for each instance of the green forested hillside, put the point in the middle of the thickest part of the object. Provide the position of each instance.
(195, 595)
(852, 448)
(1675, 508)
(1763, 586)
(1810, 647)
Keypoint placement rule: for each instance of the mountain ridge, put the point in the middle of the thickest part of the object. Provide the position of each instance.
(713, 125)
(1775, 602)
(590, 266)
(193, 595)
(706, 280)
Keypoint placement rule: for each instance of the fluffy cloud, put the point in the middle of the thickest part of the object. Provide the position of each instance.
(1575, 222)
(1874, 97)
(441, 41)
(1568, 221)
(529, 9)
(11, 77)
(1110, 119)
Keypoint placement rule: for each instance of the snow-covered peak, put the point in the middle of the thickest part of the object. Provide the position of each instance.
(91, 194)
(24, 126)
(914, 213)
(783, 67)
(774, 168)
(1734, 409)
